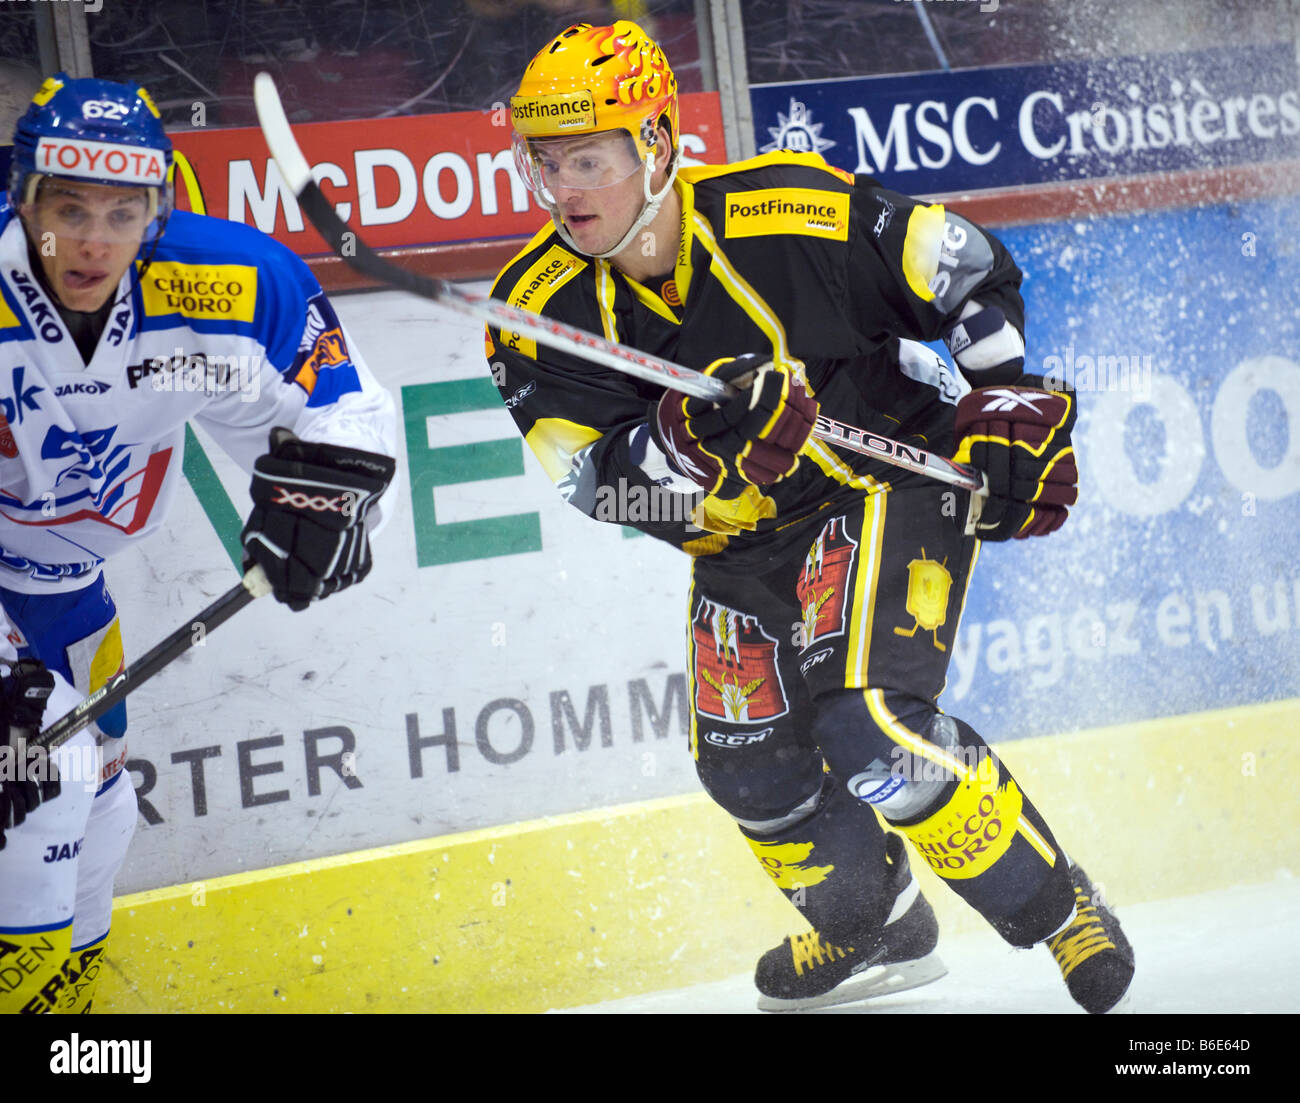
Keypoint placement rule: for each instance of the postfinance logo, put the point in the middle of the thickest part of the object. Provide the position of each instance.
(549, 114)
(543, 279)
(224, 292)
(807, 211)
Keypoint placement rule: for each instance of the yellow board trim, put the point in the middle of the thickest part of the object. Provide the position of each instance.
(434, 926)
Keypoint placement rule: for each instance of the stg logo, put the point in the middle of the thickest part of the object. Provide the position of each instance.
(13, 408)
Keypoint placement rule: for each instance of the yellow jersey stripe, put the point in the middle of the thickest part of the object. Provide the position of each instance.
(743, 294)
(1030, 834)
(870, 540)
(905, 737)
(605, 297)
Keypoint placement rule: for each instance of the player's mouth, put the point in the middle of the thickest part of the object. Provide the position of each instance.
(580, 219)
(83, 279)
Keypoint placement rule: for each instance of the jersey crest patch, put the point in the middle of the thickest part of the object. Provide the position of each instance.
(736, 676)
(823, 586)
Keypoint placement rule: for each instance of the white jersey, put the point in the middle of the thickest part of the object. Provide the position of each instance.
(225, 326)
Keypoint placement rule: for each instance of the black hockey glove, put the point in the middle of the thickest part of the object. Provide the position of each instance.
(751, 439)
(1019, 436)
(27, 776)
(307, 529)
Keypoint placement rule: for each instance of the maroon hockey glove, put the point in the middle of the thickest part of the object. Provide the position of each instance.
(27, 776)
(1019, 436)
(307, 529)
(753, 438)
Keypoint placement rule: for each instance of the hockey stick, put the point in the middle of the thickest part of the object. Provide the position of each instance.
(253, 585)
(348, 245)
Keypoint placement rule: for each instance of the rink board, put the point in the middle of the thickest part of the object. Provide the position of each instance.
(586, 907)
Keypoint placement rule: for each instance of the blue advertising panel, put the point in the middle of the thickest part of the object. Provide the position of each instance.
(1175, 585)
(928, 133)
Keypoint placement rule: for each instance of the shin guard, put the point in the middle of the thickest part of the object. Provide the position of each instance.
(829, 863)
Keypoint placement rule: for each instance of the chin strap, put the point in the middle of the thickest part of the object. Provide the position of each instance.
(653, 201)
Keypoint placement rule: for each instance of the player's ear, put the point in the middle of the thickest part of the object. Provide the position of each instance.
(663, 143)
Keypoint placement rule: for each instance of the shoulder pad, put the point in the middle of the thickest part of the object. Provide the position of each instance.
(538, 271)
(812, 163)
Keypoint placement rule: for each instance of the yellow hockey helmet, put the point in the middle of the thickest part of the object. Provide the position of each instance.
(594, 79)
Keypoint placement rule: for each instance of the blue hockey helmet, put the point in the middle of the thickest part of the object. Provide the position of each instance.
(95, 131)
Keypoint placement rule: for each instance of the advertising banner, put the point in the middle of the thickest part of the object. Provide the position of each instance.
(412, 180)
(930, 133)
(1175, 586)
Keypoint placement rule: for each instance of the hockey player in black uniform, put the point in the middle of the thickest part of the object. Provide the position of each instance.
(826, 587)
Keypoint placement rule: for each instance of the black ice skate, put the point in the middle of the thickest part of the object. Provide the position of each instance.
(820, 970)
(1096, 959)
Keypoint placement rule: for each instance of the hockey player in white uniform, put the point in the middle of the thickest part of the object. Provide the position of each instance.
(120, 321)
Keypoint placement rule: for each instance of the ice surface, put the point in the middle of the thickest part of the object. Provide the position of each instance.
(1227, 952)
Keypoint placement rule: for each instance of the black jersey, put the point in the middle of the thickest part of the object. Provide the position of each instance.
(781, 254)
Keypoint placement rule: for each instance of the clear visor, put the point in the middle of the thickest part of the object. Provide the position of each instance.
(100, 213)
(581, 161)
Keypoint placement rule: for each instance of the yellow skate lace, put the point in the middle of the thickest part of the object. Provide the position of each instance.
(1084, 937)
(809, 950)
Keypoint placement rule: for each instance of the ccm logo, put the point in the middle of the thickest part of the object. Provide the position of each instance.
(813, 659)
(736, 739)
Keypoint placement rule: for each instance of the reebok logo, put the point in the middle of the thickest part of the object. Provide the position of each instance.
(1004, 401)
